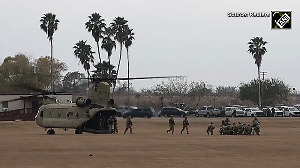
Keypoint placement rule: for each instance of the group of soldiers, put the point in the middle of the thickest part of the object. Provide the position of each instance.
(225, 129)
(239, 129)
(113, 125)
(185, 125)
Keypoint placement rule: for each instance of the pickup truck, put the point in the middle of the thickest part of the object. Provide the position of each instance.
(207, 111)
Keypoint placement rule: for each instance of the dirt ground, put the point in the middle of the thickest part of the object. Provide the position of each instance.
(24, 144)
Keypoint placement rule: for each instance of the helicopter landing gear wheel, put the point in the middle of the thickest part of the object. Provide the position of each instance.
(78, 130)
(50, 131)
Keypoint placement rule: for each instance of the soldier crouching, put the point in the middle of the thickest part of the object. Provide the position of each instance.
(210, 129)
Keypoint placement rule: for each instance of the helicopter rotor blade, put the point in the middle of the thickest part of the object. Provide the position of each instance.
(150, 77)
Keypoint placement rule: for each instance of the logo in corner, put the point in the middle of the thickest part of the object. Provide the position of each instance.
(281, 19)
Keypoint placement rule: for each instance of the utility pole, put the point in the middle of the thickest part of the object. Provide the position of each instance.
(263, 74)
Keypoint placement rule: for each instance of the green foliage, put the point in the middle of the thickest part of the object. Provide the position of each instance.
(105, 71)
(14, 72)
(43, 72)
(84, 52)
(273, 91)
(18, 72)
(71, 81)
(97, 26)
(225, 91)
(120, 29)
(257, 49)
(199, 89)
(49, 24)
(107, 43)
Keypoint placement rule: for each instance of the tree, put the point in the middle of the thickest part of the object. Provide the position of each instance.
(226, 91)
(14, 73)
(97, 26)
(128, 43)
(84, 52)
(119, 26)
(107, 43)
(72, 80)
(105, 70)
(273, 91)
(19, 74)
(43, 73)
(49, 26)
(257, 50)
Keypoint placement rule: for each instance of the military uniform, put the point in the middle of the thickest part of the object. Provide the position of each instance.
(240, 129)
(234, 129)
(247, 130)
(256, 126)
(171, 125)
(185, 125)
(128, 125)
(115, 125)
(227, 121)
(210, 129)
(110, 123)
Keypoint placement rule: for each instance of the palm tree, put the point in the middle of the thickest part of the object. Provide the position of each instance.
(119, 26)
(97, 26)
(107, 43)
(84, 52)
(49, 26)
(128, 43)
(257, 49)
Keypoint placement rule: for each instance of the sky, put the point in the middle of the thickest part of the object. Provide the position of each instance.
(192, 38)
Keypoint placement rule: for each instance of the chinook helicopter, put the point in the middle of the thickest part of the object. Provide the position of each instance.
(86, 114)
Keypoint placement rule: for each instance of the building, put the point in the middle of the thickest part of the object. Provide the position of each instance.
(25, 106)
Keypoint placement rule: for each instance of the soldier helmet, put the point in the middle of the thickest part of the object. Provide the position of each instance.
(129, 116)
(185, 117)
(240, 123)
(171, 115)
(211, 122)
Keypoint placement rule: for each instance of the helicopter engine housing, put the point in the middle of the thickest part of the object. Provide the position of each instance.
(82, 102)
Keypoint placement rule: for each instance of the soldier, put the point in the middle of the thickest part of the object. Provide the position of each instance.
(185, 125)
(240, 129)
(210, 129)
(255, 121)
(227, 122)
(273, 112)
(248, 130)
(110, 123)
(115, 125)
(256, 126)
(234, 129)
(171, 124)
(128, 125)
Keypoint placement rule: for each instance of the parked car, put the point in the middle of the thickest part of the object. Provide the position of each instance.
(168, 111)
(253, 112)
(124, 109)
(291, 112)
(297, 106)
(140, 112)
(233, 112)
(205, 111)
(278, 113)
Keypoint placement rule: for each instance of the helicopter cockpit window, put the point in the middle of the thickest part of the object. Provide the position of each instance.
(42, 114)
